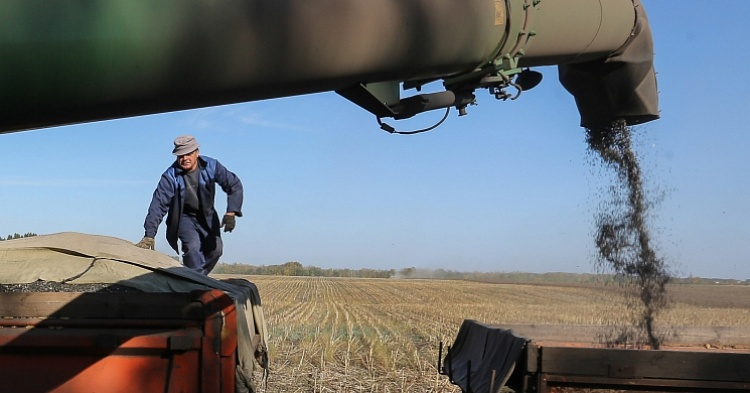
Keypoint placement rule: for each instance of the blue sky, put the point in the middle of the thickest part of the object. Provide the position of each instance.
(509, 187)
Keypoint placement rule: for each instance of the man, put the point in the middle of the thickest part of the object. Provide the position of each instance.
(185, 193)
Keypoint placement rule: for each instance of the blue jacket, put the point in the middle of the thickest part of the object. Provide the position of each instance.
(170, 192)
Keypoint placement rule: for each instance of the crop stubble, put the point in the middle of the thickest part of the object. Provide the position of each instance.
(382, 335)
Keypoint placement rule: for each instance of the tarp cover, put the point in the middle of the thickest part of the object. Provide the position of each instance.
(75, 258)
(492, 351)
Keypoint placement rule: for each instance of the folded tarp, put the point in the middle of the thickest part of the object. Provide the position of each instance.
(482, 357)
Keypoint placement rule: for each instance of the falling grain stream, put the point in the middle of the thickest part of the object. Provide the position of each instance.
(623, 238)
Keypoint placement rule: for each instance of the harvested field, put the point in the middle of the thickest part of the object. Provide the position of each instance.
(382, 335)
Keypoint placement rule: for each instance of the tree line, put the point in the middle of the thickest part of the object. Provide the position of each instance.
(297, 269)
(18, 236)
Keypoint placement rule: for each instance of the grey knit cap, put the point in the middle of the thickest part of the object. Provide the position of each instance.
(184, 144)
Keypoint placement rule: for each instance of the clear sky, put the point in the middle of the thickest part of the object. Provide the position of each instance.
(509, 187)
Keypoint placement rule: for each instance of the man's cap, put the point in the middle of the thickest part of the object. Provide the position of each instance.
(184, 144)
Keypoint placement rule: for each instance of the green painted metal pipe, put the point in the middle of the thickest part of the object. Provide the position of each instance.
(72, 61)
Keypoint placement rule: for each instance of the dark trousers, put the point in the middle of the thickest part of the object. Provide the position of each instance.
(201, 249)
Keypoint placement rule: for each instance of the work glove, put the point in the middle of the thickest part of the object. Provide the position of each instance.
(228, 222)
(146, 242)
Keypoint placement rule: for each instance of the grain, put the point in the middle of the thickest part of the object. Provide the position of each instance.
(623, 237)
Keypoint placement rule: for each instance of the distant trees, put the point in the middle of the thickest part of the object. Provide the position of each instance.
(295, 268)
(18, 236)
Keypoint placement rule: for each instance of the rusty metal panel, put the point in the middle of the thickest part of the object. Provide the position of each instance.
(641, 383)
(75, 361)
(633, 364)
(95, 353)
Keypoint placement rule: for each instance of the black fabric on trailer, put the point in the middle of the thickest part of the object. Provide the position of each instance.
(482, 357)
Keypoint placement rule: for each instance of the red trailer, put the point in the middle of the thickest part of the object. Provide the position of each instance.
(83, 313)
(118, 342)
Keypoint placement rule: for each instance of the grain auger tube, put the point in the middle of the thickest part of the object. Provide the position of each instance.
(81, 60)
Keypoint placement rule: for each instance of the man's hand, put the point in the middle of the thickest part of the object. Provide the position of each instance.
(228, 222)
(146, 242)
